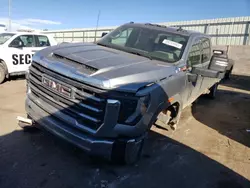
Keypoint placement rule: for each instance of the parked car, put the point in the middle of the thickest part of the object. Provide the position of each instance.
(17, 49)
(104, 97)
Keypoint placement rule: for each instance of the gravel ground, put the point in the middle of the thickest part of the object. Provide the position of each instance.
(210, 148)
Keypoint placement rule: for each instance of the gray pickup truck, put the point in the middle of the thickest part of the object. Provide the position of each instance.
(104, 97)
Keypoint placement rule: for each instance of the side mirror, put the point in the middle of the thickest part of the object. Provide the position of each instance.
(104, 33)
(16, 44)
(192, 77)
(206, 72)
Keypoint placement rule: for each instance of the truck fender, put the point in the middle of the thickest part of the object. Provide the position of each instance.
(174, 105)
(175, 99)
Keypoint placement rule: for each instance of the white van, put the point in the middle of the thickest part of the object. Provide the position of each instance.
(17, 49)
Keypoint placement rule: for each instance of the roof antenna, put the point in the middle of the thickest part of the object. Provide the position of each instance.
(97, 23)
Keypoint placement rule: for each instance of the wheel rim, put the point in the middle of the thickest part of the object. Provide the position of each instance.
(2, 74)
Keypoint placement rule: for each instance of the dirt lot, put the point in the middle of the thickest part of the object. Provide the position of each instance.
(210, 148)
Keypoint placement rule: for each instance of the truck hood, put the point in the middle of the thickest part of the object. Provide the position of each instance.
(103, 67)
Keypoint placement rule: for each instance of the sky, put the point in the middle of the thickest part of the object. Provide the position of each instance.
(68, 14)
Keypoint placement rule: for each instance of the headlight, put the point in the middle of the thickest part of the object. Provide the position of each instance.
(132, 111)
(127, 108)
(142, 105)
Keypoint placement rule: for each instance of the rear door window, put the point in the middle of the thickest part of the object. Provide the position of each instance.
(206, 50)
(194, 57)
(42, 41)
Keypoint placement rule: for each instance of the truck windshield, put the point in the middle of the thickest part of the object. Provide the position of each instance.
(5, 36)
(149, 42)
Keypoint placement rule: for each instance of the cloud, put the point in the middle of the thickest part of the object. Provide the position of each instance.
(29, 23)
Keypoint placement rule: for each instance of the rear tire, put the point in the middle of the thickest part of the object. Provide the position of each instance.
(2, 74)
(213, 91)
(228, 74)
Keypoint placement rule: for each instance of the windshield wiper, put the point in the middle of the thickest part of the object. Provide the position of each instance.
(127, 50)
(140, 54)
(102, 44)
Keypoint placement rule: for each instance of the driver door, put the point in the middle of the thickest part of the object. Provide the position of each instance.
(20, 56)
(194, 61)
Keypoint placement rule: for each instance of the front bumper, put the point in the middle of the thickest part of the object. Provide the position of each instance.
(104, 147)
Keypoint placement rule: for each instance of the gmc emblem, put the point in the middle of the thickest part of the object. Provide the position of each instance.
(56, 86)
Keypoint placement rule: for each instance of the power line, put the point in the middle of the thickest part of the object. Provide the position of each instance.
(9, 15)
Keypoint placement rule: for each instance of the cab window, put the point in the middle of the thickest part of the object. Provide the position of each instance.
(156, 44)
(42, 41)
(26, 40)
(206, 50)
(194, 57)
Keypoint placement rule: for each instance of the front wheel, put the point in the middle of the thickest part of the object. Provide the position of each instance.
(2, 74)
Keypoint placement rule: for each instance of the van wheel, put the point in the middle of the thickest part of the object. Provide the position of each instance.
(2, 74)
(213, 91)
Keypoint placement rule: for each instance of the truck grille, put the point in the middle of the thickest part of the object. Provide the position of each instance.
(85, 104)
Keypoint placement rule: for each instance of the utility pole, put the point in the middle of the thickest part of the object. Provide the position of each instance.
(9, 15)
(97, 23)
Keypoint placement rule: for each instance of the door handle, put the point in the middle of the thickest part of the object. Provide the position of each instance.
(34, 50)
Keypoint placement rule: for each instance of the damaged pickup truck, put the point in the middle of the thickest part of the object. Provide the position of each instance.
(104, 97)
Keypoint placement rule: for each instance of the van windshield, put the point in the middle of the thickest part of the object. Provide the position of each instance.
(149, 42)
(5, 36)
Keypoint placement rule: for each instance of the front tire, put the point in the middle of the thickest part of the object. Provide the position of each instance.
(2, 74)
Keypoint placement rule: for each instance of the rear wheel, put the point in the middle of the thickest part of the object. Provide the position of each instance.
(213, 91)
(2, 74)
(228, 74)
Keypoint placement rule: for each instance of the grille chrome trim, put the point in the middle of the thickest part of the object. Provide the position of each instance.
(85, 105)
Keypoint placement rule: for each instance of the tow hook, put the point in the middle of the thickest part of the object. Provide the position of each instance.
(24, 122)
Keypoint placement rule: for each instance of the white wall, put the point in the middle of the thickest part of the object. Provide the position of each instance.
(225, 31)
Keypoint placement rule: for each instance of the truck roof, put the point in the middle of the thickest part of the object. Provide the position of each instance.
(171, 29)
